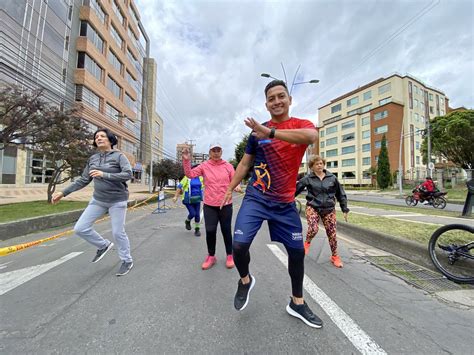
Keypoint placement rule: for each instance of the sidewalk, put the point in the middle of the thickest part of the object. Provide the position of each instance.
(38, 193)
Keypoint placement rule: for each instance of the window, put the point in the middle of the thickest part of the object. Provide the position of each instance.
(332, 129)
(331, 141)
(116, 36)
(113, 86)
(112, 112)
(322, 155)
(442, 112)
(336, 108)
(84, 61)
(431, 109)
(98, 10)
(157, 127)
(348, 150)
(366, 161)
(368, 95)
(417, 160)
(130, 103)
(415, 105)
(331, 153)
(348, 162)
(353, 101)
(381, 129)
(348, 175)
(87, 31)
(321, 133)
(322, 144)
(366, 147)
(366, 134)
(362, 109)
(417, 117)
(385, 101)
(431, 97)
(128, 147)
(89, 97)
(415, 88)
(348, 137)
(422, 119)
(417, 144)
(117, 12)
(378, 144)
(384, 88)
(348, 124)
(380, 115)
(366, 174)
(376, 158)
(113, 59)
(332, 164)
(365, 120)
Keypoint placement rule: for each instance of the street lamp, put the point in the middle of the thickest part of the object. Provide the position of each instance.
(265, 75)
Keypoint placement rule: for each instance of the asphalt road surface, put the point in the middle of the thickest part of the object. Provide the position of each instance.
(55, 301)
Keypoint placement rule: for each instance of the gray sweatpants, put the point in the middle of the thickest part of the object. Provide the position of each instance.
(95, 210)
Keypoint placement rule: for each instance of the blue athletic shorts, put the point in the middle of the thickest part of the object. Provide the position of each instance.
(283, 221)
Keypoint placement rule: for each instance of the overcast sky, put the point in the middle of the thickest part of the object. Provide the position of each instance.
(210, 55)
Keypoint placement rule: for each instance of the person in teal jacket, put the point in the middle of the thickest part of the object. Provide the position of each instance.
(192, 194)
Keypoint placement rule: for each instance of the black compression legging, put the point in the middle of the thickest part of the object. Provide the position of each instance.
(295, 265)
(212, 216)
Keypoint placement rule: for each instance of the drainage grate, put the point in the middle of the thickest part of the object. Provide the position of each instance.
(415, 275)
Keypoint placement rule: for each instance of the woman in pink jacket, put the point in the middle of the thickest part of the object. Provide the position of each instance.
(217, 174)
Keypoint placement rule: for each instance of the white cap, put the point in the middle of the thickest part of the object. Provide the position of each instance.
(215, 145)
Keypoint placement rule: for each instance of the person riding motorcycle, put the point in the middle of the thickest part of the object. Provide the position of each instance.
(426, 189)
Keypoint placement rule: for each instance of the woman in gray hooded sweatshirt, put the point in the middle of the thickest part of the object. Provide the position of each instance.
(110, 170)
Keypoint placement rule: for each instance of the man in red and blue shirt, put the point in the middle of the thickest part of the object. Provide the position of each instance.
(274, 151)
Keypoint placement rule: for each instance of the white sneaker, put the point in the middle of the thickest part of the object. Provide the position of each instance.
(425, 203)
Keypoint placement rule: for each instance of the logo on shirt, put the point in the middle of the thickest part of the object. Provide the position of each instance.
(263, 180)
(238, 231)
(297, 236)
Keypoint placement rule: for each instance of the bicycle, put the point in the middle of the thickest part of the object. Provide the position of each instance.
(451, 250)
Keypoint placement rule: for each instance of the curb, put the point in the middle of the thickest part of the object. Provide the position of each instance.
(26, 226)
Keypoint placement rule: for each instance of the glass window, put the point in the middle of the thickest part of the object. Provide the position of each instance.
(113, 86)
(331, 153)
(418, 160)
(331, 141)
(353, 101)
(87, 96)
(348, 137)
(378, 144)
(415, 88)
(365, 134)
(365, 120)
(336, 108)
(366, 161)
(322, 144)
(366, 147)
(415, 103)
(348, 124)
(348, 162)
(366, 108)
(88, 31)
(348, 150)
(381, 129)
(321, 133)
(348, 175)
(417, 144)
(130, 103)
(385, 101)
(117, 12)
(380, 115)
(113, 59)
(332, 129)
(417, 117)
(84, 61)
(99, 11)
(332, 164)
(368, 95)
(431, 97)
(112, 112)
(376, 158)
(384, 88)
(116, 36)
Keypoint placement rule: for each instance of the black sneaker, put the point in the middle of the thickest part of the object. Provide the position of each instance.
(188, 225)
(125, 268)
(197, 232)
(303, 312)
(101, 252)
(242, 295)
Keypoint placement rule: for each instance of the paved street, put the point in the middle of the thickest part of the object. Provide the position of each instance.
(56, 301)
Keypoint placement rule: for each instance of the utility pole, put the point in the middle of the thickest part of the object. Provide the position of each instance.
(428, 135)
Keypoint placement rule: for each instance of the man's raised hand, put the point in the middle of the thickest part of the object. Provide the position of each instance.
(258, 130)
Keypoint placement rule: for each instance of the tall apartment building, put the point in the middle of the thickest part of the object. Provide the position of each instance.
(352, 126)
(90, 54)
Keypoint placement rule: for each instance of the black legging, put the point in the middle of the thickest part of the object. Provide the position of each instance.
(295, 265)
(212, 216)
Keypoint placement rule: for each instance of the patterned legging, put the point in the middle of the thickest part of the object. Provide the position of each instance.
(329, 222)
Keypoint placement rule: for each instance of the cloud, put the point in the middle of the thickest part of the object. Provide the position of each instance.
(210, 55)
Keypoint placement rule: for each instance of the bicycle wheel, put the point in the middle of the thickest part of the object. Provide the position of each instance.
(451, 249)
(410, 201)
(439, 202)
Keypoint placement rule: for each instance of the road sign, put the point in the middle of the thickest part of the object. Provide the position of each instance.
(430, 165)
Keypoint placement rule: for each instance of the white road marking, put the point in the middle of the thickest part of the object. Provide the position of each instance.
(361, 340)
(13, 279)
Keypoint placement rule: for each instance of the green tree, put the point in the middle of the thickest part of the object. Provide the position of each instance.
(163, 171)
(384, 177)
(452, 137)
(239, 151)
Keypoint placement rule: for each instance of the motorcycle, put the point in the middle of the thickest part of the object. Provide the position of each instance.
(435, 199)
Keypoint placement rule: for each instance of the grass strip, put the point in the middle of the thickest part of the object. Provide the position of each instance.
(23, 210)
(416, 209)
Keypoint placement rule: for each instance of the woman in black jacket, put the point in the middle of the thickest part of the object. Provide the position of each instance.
(323, 190)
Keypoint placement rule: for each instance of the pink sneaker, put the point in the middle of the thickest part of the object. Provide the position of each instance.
(209, 262)
(229, 263)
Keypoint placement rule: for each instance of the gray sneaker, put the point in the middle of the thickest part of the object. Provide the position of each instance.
(101, 252)
(125, 268)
